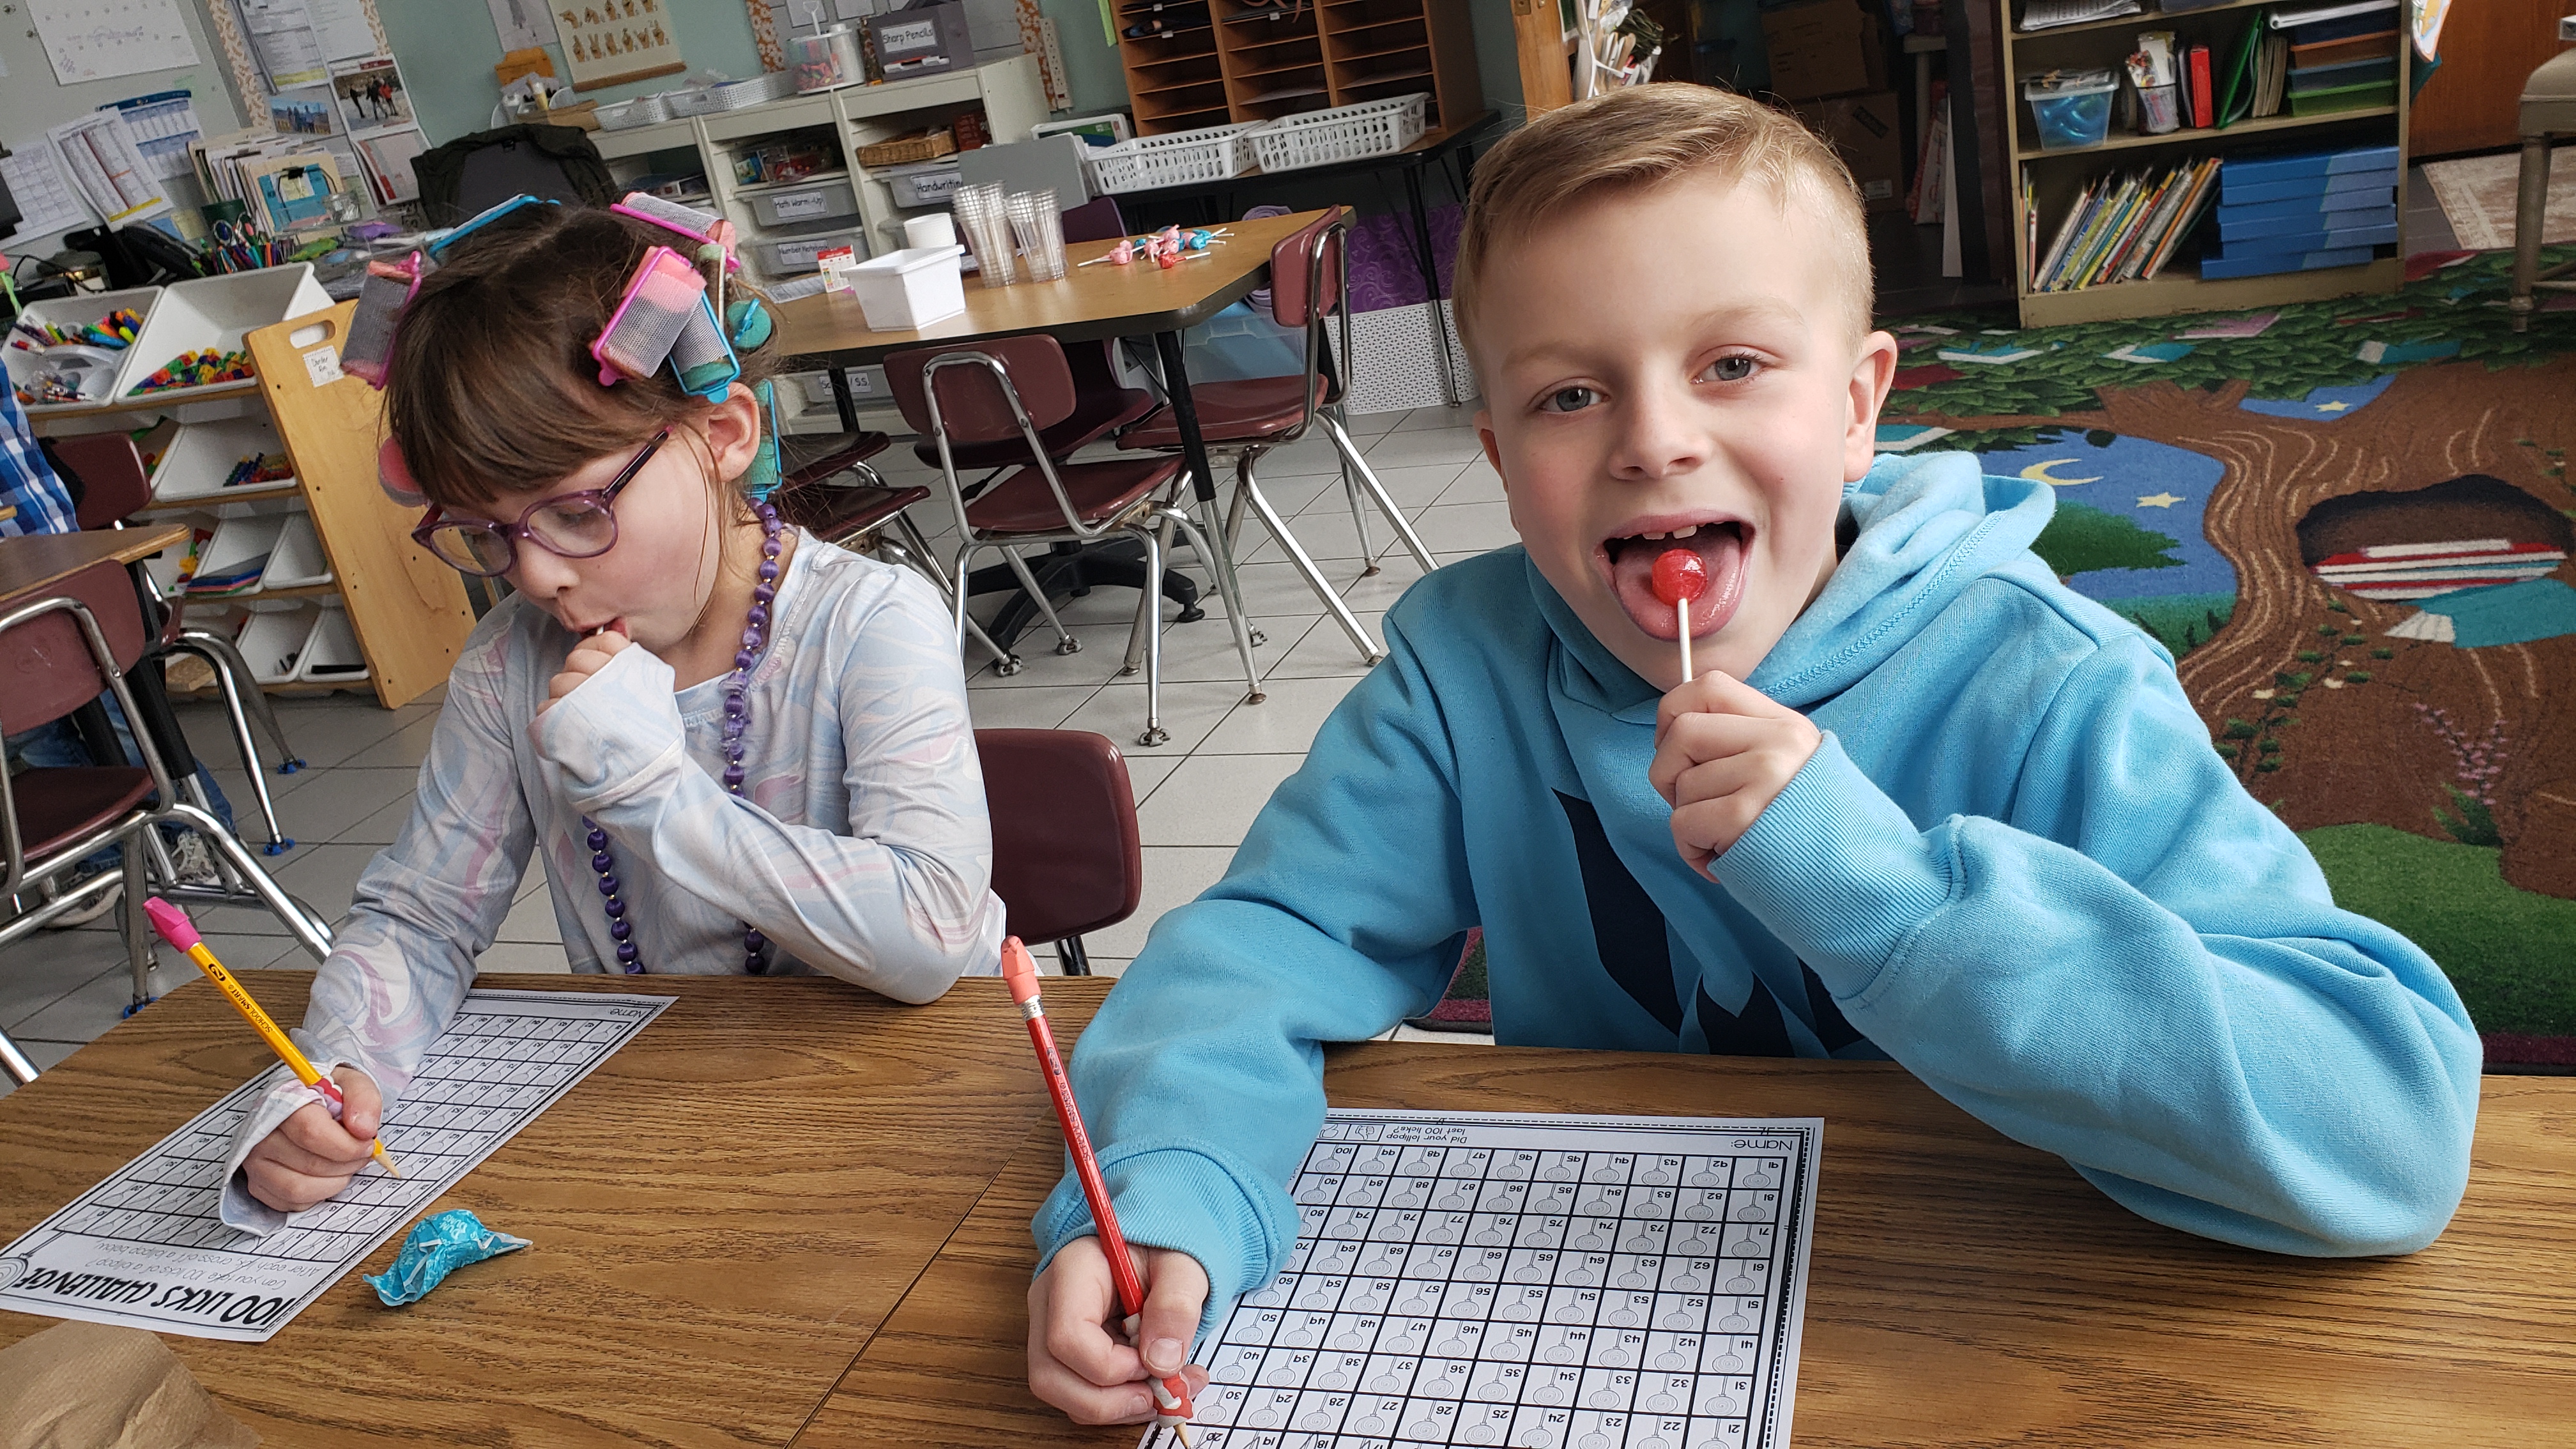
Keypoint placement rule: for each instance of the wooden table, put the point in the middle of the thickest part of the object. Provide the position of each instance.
(791, 1212)
(1086, 304)
(34, 562)
(723, 1213)
(1966, 1290)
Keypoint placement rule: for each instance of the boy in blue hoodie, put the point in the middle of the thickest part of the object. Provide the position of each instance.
(1922, 802)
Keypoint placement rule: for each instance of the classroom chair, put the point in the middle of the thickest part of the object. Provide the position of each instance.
(1308, 287)
(1003, 387)
(56, 655)
(113, 489)
(1067, 856)
(2548, 111)
(857, 515)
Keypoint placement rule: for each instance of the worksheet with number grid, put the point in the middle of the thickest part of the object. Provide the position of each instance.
(145, 1248)
(1553, 1282)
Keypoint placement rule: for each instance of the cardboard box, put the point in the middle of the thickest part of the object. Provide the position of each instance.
(1864, 132)
(1826, 48)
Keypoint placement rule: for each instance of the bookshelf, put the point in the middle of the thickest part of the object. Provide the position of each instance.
(2055, 179)
(1222, 61)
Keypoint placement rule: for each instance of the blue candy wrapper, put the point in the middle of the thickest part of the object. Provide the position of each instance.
(440, 1245)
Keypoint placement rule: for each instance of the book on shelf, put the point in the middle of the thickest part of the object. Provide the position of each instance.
(2233, 225)
(2124, 227)
(2303, 211)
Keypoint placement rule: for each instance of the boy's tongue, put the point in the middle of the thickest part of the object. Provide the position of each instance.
(1721, 552)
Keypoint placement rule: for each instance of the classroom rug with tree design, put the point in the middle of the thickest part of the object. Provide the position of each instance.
(2350, 522)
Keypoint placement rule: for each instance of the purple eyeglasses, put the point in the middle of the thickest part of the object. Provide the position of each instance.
(569, 525)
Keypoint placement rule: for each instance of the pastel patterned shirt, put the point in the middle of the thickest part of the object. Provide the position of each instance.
(860, 845)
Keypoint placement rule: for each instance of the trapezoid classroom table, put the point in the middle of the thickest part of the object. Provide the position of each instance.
(1444, 146)
(791, 1212)
(1086, 304)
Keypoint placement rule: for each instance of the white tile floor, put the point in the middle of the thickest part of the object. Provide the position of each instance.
(1196, 796)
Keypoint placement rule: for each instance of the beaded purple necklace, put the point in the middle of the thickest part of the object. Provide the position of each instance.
(755, 633)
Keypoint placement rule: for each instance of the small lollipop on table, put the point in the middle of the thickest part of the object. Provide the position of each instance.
(1679, 578)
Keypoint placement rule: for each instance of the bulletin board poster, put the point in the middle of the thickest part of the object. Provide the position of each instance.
(609, 42)
(91, 40)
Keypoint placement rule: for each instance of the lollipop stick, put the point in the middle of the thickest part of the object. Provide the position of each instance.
(1681, 608)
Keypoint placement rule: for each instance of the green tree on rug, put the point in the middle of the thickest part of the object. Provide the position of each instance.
(2080, 539)
(2304, 690)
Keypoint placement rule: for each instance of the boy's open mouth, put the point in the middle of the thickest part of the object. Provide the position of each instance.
(1721, 546)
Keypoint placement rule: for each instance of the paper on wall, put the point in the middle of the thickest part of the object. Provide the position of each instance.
(515, 21)
(46, 201)
(97, 39)
(341, 26)
(162, 125)
(290, 50)
(100, 157)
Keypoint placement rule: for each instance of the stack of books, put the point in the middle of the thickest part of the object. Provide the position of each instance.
(2342, 57)
(2304, 211)
(2124, 228)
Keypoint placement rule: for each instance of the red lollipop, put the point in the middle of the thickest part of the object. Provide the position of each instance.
(1679, 578)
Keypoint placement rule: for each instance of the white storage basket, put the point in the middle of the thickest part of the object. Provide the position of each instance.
(760, 90)
(1344, 133)
(641, 111)
(1212, 153)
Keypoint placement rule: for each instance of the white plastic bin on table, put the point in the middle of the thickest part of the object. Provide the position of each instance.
(214, 312)
(908, 290)
(274, 638)
(72, 314)
(204, 454)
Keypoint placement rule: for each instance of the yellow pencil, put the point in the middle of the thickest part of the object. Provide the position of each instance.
(180, 932)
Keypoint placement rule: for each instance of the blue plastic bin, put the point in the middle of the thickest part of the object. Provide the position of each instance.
(2072, 108)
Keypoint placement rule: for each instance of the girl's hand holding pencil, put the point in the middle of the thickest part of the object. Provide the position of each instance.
(310, 1157)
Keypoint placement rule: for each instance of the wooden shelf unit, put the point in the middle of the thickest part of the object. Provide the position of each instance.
(2057, 177)
(407, 609)
(1275, 61)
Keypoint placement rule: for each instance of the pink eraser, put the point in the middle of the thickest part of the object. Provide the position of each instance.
(1018, 971)
(172, 923)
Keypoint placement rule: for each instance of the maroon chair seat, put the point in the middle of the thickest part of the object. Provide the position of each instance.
(1022, 503)
(58, 806)
(834, 514)
(1067, 855)
(1240, 411)
(1100, 407)
(860, 448)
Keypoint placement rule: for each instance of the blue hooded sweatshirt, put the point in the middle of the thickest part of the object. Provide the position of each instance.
(2014, 865)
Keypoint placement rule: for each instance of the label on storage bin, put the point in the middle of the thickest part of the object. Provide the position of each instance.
(802, 203)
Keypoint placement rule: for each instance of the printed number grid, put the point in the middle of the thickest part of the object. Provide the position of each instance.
(1509, 1297)
(487, 1075)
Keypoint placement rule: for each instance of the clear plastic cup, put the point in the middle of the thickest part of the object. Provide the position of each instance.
(1039, 228)
(984, 216)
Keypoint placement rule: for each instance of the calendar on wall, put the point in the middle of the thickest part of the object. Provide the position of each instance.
(609, 42)
(1527, 1282)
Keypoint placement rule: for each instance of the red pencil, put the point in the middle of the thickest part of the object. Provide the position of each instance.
(1172, 1395)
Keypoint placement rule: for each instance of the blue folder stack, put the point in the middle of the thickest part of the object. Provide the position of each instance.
(2304, 211)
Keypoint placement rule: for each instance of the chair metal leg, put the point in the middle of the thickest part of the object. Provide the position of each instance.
(1005, 663)
(1067, 951)
(1009, 663)
(1154, 733)
(310, 932)
(246, 696)
(1065, 643)
(137, 929)
(23, 1071)
(1148, 605)
(1354, 464)
(2531, 204)
(206, 649)
(1249, 487)
(1244, 635)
